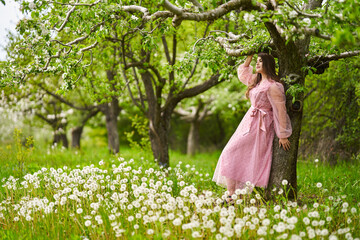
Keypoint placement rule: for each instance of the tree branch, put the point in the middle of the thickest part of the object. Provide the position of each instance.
(197, 4)
(279, 41)
(302, 13)
(196, 60)
(214, 14)
(91, 114)
(332, 57)
(44, 118)
(316, 33)
(66, 19)
(86, 108)
(76, 4)
(130, 92)
(166, 49)
(190, 92)
(138, 88)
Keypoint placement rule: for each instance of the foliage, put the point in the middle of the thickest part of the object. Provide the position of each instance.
(332, 112)
(21, 150)
(140, 125)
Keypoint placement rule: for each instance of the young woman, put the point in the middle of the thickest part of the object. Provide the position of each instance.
(248, 154)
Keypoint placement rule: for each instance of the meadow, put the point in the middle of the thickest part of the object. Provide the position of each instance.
(56, 193)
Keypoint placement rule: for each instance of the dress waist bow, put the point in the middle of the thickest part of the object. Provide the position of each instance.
(260, 114)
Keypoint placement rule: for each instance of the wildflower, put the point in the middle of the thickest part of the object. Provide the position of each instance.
(177, 222)
(284, 182)
(306, 220)
(266, 222)
(333, 237)
(166, 233)
(79, 211)
(150, 231)
(196, 234)
(276, 208)
(319, 185)
(87, 223)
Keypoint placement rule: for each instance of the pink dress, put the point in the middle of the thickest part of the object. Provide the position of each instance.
(248, 154)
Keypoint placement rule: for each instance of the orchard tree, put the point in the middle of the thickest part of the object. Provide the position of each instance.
(224, 106)
(34, 104)
(194, 115)
(303, 35)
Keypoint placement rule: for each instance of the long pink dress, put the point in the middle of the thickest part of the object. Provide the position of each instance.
(248, 154)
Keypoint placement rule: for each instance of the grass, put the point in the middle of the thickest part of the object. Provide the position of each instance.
(58, 193)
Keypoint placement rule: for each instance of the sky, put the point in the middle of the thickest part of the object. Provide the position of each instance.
(9, 16)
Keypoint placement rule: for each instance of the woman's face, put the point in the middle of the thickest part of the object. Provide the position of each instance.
(259, 65)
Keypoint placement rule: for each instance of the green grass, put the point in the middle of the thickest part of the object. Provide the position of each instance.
(331, 209)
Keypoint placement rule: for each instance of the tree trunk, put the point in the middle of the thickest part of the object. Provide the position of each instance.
(111, 113)
(61, 137)
(76, 136)
(160, 144)
(284, 162)
(193, 138)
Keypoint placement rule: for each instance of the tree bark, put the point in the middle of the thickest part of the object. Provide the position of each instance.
(76, 136)
(284, 162)
(111, 111)
(160, 144)
(61, 137)
(193, 138)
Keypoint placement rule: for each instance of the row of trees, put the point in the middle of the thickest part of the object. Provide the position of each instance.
(164, 53)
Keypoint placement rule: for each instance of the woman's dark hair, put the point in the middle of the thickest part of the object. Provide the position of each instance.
(269, 68)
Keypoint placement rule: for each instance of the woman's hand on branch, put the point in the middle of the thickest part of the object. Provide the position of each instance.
(248, 60)
(284, 142)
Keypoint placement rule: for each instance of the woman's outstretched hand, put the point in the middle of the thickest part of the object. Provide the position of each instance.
(284, 142)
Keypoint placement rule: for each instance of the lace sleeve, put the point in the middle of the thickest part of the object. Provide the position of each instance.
(245, 74)
(277, 99)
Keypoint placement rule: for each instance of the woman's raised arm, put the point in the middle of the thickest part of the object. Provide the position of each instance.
(245, 72)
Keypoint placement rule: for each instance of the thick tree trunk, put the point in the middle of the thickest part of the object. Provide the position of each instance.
(193, 138)
(76, 136)
(284, 162)
(160, 144)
